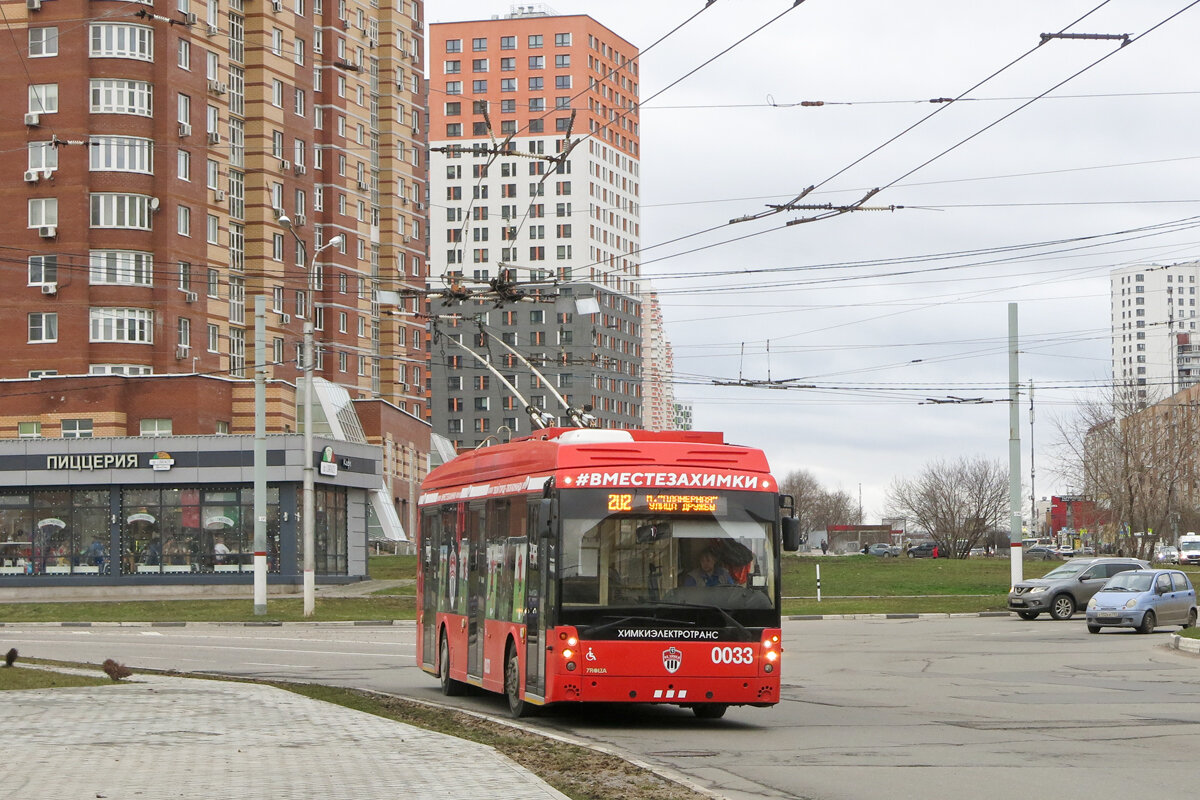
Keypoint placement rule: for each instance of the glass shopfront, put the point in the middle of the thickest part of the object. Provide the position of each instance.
(54, 532)
(155, 530)
(208, 529)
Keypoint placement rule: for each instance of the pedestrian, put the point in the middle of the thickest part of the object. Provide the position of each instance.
(824, 547)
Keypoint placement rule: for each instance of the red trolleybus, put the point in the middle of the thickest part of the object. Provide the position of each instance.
(585, 565)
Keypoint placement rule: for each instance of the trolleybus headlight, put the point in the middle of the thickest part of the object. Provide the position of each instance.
(568, 653)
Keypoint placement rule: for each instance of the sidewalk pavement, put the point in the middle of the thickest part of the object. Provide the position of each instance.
(187, 739)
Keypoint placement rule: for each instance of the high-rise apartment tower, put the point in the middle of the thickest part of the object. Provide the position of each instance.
(535, 174)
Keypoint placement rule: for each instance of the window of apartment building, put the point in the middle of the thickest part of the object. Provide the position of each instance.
(537, 125)
(537, 104)
(43, 42)
(42, 156)
(183, 220)
(122, 325)
(508, 43)
(121, 154)
(562, 40)
(120, 268)
(454, 45)
(76, 429)
(537, 62)
(562, 61)
(29, 430)
(453, 87)
(535, 40)
(562, 81)
(508, 65)
(479, 87)
(479, 65)
(537, 84)
(43, 98)
(43, 328)
(479, 44)
(43, 269)
(120, 96)
(121, 40)
(43, 211)
(451, 67)
(155, 427)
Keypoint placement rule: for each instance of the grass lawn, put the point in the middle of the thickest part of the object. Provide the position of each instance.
(291, 609)
(18, 677)
(389, 568)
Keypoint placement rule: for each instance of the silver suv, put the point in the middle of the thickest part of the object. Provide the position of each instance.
(1064, 590)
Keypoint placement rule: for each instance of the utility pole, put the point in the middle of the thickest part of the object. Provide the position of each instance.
(1014, 450)
(260, 454)
(1033, 531)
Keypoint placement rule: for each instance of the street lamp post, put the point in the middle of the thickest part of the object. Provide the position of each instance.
(308, 508)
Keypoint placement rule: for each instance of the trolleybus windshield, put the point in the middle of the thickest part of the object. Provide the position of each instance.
(642, 547)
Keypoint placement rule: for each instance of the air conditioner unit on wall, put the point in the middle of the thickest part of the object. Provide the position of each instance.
(185, 129)
(189, 18)
(190, 297)
(214, 137)
(48, 231)
(219, 195)
(32, 175)
(300, 170)
(49, 288)
(33, 120)
(285, 319)
(300, 221)
(285, 165)
(33, 5)
(181, 352)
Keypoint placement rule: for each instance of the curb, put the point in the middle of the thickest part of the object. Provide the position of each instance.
(1177, 642)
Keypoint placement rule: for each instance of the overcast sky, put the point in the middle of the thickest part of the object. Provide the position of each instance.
(864, 305)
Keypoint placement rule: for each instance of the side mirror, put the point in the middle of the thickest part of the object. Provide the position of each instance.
(791, 534)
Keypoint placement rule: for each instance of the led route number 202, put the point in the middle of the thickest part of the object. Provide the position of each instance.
(733, 655)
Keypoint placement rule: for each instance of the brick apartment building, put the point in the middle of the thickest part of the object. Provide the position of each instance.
(178, 160)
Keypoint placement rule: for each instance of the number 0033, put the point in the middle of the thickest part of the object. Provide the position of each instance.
(733, 655)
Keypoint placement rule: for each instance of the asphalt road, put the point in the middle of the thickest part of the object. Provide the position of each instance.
(965, 707)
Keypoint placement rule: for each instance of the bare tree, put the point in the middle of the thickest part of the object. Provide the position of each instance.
(959, 503)
(816, 507)
(1137, 462)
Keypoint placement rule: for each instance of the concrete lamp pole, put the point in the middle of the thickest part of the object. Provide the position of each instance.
(308, 510)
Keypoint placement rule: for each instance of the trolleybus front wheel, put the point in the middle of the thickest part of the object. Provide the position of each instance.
(710, 710)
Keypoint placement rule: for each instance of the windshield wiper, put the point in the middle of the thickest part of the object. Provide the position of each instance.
(745, 631)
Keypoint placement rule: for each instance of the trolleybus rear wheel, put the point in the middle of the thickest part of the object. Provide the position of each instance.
(517, 707)
(450, 687)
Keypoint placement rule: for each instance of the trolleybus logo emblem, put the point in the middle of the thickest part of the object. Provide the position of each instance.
(672, 659)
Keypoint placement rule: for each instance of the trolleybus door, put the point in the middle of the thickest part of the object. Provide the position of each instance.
(535, 598)
(477, 588)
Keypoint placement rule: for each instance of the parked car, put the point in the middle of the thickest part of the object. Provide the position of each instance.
(1143, 600)
(1086, 550)
(1065, 551)
(1064, 589)
(1166, 554)
(880, 549)
(1041, 552)
(927, 550)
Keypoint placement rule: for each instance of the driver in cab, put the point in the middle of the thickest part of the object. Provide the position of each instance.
(709, 573)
